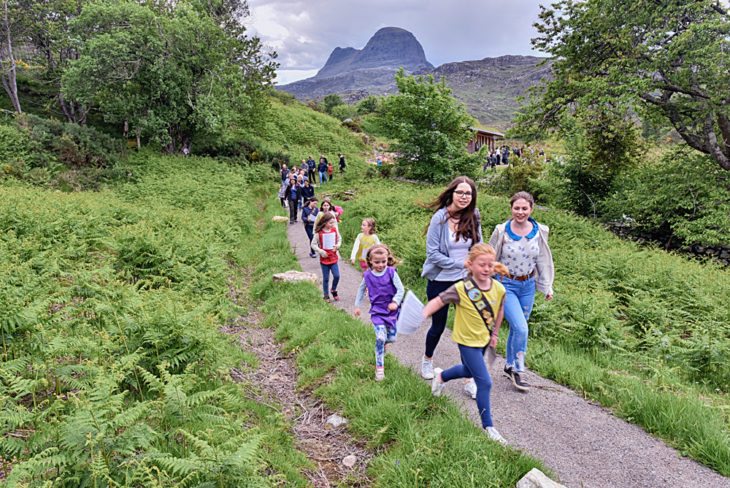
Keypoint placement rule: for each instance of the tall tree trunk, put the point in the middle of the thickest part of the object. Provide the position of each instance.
(73, 111)
(7, 74)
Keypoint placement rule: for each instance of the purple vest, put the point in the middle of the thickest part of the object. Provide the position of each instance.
(381, 291)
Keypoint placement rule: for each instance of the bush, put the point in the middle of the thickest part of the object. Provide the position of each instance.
(686, 195)
(522, 174)
(343, 112)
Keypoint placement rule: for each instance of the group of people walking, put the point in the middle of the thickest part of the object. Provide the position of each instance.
(486, 282)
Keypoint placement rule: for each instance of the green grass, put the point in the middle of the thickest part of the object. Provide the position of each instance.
(644, 332)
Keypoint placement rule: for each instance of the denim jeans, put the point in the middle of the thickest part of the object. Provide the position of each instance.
(473, 366)
(438, 319)
(518, 302)
(322, 177)
(309, 229)
(326, 268)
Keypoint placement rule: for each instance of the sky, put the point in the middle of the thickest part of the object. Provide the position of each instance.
(304, 32)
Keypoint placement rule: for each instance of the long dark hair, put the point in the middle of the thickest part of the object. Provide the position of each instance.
(326, 217)
(468, 226)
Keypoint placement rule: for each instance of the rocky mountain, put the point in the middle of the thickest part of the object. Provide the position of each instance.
(488, 87)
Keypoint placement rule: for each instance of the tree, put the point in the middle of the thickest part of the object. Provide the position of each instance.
(431, 129)
(8, 66)
(667, 59)
(331, 101)
(169, 71)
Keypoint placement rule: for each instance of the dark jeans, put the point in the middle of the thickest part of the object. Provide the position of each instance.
(293, 210)
(438, 320)
(309, 229)
(472, 366)
(326, 268)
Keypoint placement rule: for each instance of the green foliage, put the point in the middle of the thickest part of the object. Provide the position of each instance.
(369, 105)
(431, 129)
(667, 60)
(331, 101)
(522, 174)
(113, 371)
(685, 195)
(343, 112)
(168, 73)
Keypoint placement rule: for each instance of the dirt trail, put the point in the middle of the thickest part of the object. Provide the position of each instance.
(583, 443)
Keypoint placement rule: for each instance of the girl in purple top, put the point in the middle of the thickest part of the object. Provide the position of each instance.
(385, 291)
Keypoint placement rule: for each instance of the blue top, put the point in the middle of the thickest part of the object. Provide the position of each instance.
(515, 237)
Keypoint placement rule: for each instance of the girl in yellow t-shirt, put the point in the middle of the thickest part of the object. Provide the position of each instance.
(364, 241)
(479, 304)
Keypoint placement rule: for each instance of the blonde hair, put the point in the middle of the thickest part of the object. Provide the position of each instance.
(380, 250)
(371, 223)
(482, 249)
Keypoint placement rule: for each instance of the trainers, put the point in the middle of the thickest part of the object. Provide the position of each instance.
(379, 373)
(326, 298)
(437, 385)
(427, 369)
(495, 435)
(470, 388)
(518, 381)
(335, 296)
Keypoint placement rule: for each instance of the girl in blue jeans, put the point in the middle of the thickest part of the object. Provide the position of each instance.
(522, 244)
(326, 242)
(479, 304)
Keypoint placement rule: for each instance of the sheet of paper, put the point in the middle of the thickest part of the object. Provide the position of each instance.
(328, 241)
(411, 314)
(491, 357)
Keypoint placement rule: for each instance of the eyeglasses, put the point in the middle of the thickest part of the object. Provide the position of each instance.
(460, 193)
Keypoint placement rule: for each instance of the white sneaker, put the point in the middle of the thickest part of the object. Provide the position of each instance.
(427, 369)
(495, 435)
(437, 385)
(470, 388)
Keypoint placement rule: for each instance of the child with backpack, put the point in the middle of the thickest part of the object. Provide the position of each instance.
(479, 301)
(326, 242)
(385, 291)
(364, 241)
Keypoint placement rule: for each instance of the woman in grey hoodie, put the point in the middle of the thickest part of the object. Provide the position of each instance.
(454, 228)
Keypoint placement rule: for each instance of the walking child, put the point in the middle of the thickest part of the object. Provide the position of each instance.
(364, 241)
(385, 291)
(326, 242)
(479, 301)
(330, 170)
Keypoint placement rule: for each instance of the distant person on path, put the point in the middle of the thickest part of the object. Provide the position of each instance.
(284, 173)
(293, 194)
(309, 216)
(479, 304)
(322, 169)
(364, 241)
(282, 192)
(311, 169)
(307, 191)
(326, 242)
(454, 228)
(522, 245)
(343, 164)
(385, 291)
(330, 171)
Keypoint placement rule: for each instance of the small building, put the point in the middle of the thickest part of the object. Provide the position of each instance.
(483, 138)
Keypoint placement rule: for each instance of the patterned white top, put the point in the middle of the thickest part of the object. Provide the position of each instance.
(520, 256)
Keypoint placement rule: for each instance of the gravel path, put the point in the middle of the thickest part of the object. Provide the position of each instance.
(583, 443)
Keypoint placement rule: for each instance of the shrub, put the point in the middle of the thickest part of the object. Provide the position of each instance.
(685, 195)
(343, 112)
(522, 174)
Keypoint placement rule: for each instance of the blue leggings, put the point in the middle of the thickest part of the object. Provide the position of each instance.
(383, 335)
(472, 366)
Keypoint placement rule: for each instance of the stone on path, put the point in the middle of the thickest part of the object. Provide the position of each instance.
(279, 218)
(335, 420)
(292, 276)
(349, 461)
(537, 479)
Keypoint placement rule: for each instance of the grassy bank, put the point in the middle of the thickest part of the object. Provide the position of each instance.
(644, 332)
(113, 370)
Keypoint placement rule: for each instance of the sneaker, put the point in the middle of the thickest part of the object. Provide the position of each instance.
(495, 435)
(335, 296)
(518, 381)
(326, 298)
(427, 369)
(470, 388)
(312, 255)
(437, 385)
(379, 373)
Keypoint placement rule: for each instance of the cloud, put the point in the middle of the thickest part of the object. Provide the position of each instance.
(304, 33)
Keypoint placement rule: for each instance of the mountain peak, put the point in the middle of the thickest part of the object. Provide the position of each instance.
(389, 48)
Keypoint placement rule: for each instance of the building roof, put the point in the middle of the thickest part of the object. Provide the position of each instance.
(486, 132)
